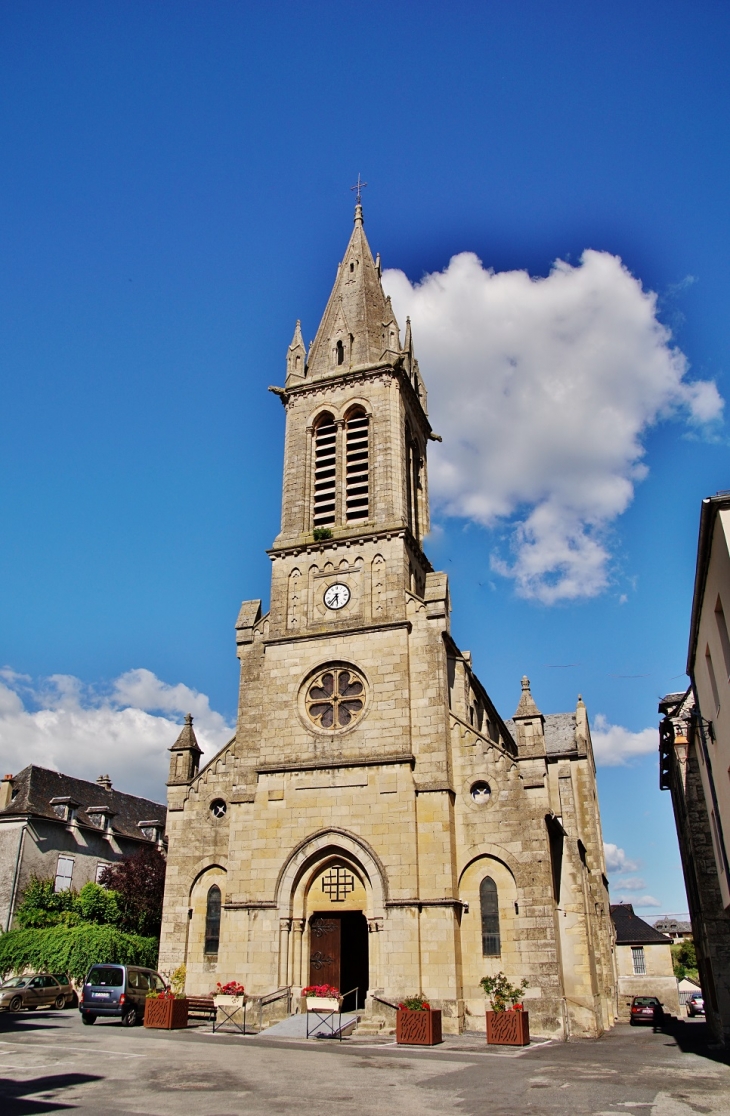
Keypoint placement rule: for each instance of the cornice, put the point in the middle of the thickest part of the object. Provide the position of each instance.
(307, 545)
(358, 374)
(329, 633)
(335, 765)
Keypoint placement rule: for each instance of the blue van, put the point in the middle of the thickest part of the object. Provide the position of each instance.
(117, 990)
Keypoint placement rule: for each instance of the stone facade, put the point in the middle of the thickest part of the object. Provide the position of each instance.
(374, 818)
(685, 757)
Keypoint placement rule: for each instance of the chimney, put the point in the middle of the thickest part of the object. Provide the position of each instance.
(6, 792)
(105, 782)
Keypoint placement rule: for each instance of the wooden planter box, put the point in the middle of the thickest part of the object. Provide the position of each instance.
(508, 1028)
(418, 1028)
(166, 1014)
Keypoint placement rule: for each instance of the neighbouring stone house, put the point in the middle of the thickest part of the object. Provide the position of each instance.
(694, 747)
(375, 824)
(643, 962)
(53, 825)
(679, 930)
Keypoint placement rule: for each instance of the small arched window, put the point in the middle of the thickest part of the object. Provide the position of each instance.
(325, 464)
(213, 919)
(489, 902)
(340, 352)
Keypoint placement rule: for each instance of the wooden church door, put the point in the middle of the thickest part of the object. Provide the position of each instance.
(325, 949)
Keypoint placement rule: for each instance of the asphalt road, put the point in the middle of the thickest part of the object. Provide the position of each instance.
(49, 1062)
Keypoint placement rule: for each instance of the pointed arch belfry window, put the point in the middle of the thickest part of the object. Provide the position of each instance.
(213, 919)
(489, 903)
(357, 466)
(325, 471)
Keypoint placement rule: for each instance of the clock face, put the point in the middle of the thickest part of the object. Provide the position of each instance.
(336, 596)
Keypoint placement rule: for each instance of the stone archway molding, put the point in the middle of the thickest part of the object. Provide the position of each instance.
(321, 845)
(203, 865)
(495, 852)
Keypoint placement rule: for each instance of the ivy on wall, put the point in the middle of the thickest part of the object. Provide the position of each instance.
(73, 949)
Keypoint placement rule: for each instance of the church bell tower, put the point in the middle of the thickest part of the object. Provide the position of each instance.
(355, 471)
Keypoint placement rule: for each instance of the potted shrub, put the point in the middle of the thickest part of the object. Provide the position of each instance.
(322, 997)
(168, 1010)
(417, 1023)
(508, 1024)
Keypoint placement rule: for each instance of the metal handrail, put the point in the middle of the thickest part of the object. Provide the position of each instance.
(386, 1002)
(346, 994)
(272, 997)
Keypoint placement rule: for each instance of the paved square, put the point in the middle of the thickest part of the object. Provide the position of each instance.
(50, 1062)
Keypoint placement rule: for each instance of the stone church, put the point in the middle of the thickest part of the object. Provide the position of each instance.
(375, 824)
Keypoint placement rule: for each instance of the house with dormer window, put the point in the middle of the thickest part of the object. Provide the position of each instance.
(53, 826)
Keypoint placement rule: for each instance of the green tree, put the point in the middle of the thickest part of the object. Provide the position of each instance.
(684, 960)
(41, 907)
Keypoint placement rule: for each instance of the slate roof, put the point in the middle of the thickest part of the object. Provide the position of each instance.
(667, 925)
(632, 930)
(34, 787)
(560, 733)
(560, 736)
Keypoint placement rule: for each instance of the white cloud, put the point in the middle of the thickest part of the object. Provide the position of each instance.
(543, 390)
(617, 860)
(83, 731)
(633, 883)
(614, 745)
(639, 900)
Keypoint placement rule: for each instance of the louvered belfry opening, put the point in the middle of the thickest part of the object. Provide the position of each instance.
(357, 498)
(325, 472)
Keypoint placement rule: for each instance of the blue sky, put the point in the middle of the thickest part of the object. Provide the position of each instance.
(174, 193)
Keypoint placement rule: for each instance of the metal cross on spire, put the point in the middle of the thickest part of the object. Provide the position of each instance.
(358, 186)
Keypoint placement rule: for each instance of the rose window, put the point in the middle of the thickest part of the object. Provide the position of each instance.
(335, 698)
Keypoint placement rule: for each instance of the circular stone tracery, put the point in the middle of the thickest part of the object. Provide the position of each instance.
(335, 698)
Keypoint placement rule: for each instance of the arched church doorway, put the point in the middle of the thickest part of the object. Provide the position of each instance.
(338, 954)
(338, 932)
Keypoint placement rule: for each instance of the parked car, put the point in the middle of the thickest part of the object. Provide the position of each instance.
(696, 1004)
(35, 990)
(647, 1009)
(118, 990)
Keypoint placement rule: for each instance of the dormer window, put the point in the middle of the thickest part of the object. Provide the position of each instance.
(65, 808)
(101, 817)
(340, 353)
(150, 830)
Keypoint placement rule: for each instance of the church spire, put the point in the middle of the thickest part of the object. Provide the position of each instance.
(185, 757)
(526, 706)
(296, 357)
(358, 328)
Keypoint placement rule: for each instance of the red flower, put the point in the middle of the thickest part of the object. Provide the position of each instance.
(233, 988)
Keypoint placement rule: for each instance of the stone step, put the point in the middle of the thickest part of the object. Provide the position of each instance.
(374, 1026)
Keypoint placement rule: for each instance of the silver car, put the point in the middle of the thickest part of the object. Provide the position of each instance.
(33, 991)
